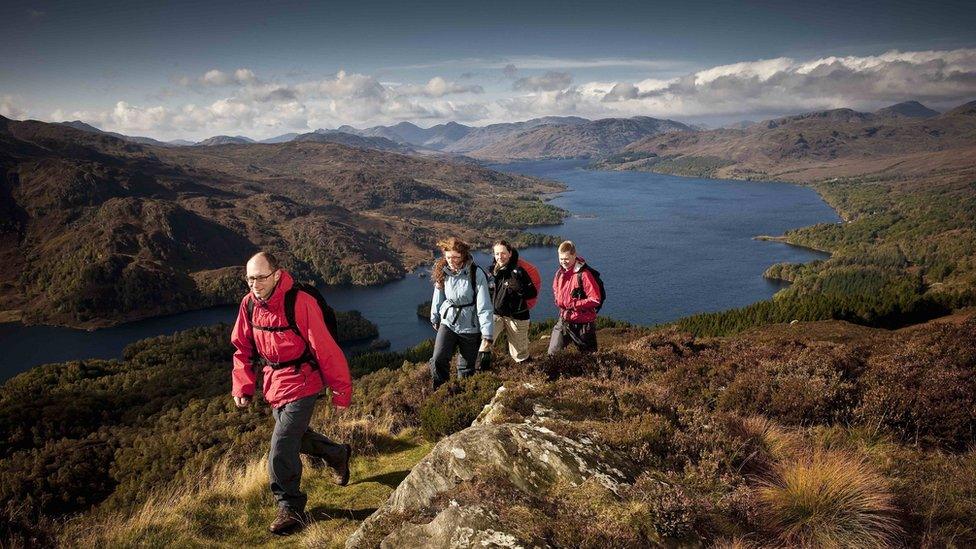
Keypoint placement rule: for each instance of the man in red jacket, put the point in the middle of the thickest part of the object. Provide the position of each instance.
(297, 362)
(577, 304)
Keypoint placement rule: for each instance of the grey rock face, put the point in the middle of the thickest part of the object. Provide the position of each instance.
(455, 527)
(532, 457)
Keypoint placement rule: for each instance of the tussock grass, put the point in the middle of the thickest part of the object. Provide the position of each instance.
(830, 499)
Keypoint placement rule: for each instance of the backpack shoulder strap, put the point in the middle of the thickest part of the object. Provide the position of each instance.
(256, 357)
(291, 297)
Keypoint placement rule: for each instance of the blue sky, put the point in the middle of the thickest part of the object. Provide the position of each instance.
(188, 69)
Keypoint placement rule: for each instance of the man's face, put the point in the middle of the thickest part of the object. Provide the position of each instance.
(454, 260)
(262, 279)
(567, 260)
(502, 255)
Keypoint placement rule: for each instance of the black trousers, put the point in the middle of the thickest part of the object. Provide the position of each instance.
(445, 344)
(292, 436)
(581, 334)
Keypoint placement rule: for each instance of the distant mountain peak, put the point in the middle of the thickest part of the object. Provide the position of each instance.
(226, 140)
(907, 109)
(83, 126)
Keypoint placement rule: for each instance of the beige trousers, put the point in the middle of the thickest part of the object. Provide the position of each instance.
(518, 336)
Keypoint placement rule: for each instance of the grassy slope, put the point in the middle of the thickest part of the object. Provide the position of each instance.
(744, 432)
(232, 507)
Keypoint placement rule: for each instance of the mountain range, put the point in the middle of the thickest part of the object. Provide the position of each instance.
(811, 146)
(538, 138)
(492, 142)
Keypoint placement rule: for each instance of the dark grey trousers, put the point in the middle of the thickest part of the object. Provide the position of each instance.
(291, 436)
(583, 335)
(444, 345)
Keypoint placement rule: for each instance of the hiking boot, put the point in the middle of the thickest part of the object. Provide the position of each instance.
(286, 522)
(341, 473)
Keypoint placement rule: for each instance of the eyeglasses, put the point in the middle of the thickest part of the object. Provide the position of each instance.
(260, 278)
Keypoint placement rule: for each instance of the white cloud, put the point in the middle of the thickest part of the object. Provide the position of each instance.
(550, 81)
(763, 70)
(134, 118)
(264, 107)
(538, 62)
(344, 85)
(786, 85)
(437, 87)
(244, 76)
(215, 77)
(264, 93)
(9, 108)
(219, 78)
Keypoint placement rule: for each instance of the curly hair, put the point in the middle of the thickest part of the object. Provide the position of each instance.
(452, 244)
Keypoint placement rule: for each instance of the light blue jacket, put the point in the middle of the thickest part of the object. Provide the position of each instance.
(457, 291)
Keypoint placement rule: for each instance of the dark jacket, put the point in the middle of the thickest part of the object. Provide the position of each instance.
(510, 288)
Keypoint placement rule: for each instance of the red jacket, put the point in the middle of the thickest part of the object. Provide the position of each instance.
(285, 384)
(570, 308)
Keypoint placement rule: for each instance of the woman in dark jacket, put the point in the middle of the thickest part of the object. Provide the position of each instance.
(511, 289)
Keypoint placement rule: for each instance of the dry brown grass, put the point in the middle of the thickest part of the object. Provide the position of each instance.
(165, 518)
(831, 499)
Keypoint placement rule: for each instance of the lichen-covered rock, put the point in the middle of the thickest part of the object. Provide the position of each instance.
(530, 456)
(456, 527)
(493, 412)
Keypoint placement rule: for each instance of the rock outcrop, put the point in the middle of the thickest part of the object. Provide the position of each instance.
(528, 455)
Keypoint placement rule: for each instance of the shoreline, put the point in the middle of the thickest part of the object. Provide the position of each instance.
(408, 274)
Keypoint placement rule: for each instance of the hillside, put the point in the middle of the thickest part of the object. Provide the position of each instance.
(79, 125)
(436, 137)
(807, 147)
(660, 439)
(907, 109)
(95, 229)
(479, 138)
(225, 140)
(587, 140)
(351, 140)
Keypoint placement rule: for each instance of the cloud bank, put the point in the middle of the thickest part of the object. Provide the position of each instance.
(262, 106)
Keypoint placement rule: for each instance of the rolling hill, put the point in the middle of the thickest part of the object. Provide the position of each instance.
(97, 230)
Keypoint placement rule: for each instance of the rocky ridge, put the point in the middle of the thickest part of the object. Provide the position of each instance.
(528, 454)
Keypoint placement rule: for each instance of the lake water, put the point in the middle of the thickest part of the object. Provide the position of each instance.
(667, 247)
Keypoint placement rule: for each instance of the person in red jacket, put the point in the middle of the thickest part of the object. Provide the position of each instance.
(296, 366)
(577, 304)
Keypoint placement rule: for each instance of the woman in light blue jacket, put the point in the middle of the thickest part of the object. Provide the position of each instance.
(461, 311)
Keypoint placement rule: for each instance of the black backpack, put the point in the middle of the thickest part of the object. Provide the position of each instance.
(328, 315)
(599, 282)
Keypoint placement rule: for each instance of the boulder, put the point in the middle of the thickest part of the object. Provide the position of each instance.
(530, 456)
(456, 527)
